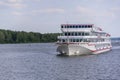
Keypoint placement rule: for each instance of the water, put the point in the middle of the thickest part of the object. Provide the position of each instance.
(39, 62)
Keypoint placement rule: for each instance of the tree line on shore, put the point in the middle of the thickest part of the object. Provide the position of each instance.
(8, 36)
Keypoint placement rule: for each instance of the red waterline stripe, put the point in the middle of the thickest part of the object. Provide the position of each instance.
(100, 49)
(78, 43)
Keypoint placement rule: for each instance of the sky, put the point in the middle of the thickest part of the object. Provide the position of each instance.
(46, 16)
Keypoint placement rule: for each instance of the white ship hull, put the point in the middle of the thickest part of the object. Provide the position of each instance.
(75, 49)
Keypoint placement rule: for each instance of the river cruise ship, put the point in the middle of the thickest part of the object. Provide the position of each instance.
(80, 39)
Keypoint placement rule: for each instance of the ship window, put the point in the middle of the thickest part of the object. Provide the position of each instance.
(73, 40)
(89, 26)
(77, 40)
(76, 26)
(79, 26)
(65, 34)
(68, 26)
(80, 40)
(79, 34)
(68, 34)
(63, 40)
(82, 33)
(61, 26)
(85, 26)
(75, 34)
(82, 26)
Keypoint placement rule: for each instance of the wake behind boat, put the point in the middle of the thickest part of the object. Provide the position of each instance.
(80, 39)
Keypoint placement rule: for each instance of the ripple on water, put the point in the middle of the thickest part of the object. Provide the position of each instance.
(39, 62)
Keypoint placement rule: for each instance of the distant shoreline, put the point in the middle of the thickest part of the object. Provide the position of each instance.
(8, 36)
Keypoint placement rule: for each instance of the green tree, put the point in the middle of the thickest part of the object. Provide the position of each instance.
(2, 37)
(7, 36)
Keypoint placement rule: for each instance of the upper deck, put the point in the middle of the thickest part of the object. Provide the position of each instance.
(80, 28)
(84, 32)
(76, 25)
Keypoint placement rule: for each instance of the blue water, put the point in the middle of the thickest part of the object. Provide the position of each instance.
(39, 62)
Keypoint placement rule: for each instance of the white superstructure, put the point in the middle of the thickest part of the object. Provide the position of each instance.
(79, 39)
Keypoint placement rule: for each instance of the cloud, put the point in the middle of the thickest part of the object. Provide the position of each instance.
(21, 1)
(87, 11)
(2, 3)
(17, 5)
(99, 0)
(115, 9)
(12, 4)
(49, 10)
(43, 11)
(17, 13)
(12, 1)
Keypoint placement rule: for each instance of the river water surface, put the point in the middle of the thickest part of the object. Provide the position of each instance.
(39, 62)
